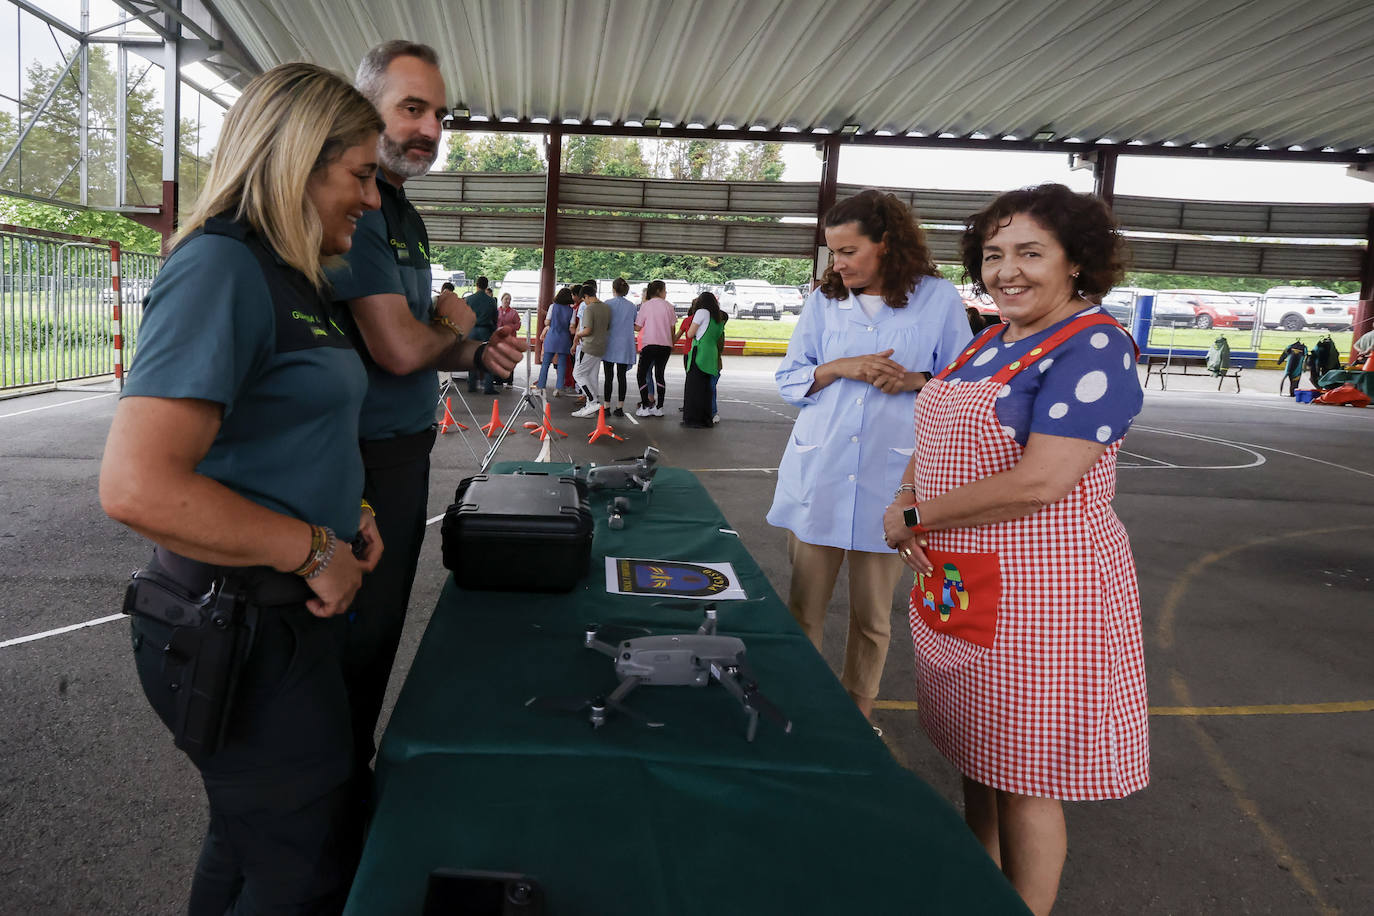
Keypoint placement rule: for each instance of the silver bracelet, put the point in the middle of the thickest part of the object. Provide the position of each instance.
(904, 488)
(330, 543)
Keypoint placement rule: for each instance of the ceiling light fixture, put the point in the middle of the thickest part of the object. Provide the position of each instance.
(460, 111)
(1044, 134)
(849, 130)
(653, 121)
(1244, 142)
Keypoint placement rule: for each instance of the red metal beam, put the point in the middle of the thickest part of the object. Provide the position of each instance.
(1104, 177)
(546, 266)
(825, 199)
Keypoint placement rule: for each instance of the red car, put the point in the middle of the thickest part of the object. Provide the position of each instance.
(1212, 309)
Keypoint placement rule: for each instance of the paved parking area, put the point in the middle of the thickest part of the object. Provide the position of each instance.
(1252, 519)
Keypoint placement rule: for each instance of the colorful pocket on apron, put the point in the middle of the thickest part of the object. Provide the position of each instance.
(961, 596)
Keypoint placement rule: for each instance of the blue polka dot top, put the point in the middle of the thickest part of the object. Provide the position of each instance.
(1086, 388)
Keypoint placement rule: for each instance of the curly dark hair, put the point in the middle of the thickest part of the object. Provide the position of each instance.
(883, 218)
(1082, 223)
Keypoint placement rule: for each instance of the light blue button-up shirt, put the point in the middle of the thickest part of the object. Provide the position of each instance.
(851, 441)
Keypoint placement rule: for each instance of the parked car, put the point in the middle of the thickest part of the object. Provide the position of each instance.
(1214, 309)
(751, 299)
(680, 293)
(791, 299)
(1293, 308)
(523, 286)
(1173, 310)
(1119, 302)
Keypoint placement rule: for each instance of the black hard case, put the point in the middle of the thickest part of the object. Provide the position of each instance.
(499, 523)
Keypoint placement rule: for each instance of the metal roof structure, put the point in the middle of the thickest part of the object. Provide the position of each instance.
(1268, 75)
(764, 218)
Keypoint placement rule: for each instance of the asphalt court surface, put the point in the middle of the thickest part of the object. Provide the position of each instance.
(1252, 521)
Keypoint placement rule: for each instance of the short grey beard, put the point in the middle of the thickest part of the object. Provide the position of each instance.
(394, 159)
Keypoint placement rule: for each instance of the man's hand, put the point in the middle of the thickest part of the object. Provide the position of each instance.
(453, 307)
(503, 353)
(367, 546)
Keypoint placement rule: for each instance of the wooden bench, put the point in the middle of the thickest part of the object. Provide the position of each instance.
(1161, 366)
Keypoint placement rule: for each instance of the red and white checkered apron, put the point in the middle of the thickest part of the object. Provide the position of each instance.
(1048, 698)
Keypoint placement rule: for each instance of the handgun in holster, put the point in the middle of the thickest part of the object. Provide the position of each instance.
(209, 642)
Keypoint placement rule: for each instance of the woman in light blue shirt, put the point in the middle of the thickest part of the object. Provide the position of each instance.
(881, 322)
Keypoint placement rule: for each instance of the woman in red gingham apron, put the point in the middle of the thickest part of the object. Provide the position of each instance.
(1025, 613)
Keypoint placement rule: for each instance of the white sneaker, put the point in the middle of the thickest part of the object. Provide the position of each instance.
(656, 411)
(644, 411)
(716, 418)
(588, 411)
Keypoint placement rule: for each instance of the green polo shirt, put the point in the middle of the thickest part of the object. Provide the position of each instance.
(217, 328)
(390, 255)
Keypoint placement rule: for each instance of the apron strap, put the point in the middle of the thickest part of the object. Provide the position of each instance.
(987, 334)
(1003, 375)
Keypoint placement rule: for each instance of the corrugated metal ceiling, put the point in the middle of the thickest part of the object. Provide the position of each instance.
(1154, 71)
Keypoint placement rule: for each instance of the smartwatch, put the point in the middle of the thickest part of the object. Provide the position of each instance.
(911, 517)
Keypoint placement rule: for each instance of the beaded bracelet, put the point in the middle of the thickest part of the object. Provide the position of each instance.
(331, 544)
(322, 546)
(443, 322)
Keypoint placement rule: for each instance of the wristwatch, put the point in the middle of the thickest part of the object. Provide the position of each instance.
(911, 517)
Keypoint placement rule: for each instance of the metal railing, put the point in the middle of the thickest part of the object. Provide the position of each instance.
(63, 316)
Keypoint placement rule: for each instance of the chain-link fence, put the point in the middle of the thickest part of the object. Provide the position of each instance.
(61, 315)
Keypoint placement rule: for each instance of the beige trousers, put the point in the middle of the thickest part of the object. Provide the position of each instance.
(873, 578)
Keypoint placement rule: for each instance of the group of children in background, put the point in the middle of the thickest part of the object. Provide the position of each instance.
(587, 340)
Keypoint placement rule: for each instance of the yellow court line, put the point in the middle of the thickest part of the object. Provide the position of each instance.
(1277, 709)
(1283, 855)
(1164, 627)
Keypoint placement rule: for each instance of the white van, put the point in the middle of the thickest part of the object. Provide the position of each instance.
(523, 286)
(1293, 308)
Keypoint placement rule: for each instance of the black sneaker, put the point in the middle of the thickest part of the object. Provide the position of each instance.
(617, 412)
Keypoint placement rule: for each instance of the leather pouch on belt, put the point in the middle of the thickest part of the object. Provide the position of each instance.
(962, 596)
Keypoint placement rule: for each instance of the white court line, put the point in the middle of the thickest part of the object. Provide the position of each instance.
(1264, 448)
(51, 406)
(1157, 462)
(60, 630)
(1259, 459)
(91, 623)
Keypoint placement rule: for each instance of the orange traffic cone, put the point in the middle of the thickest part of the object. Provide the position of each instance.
(449, 420)
(495, 426)
(601, 428)
(547, 428)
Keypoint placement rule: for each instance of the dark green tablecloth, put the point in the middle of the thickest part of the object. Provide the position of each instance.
(622, 836)
(469, 777)
(1361, 380)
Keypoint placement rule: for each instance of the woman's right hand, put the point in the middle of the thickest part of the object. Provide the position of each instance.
(877, 369)
(335, 587)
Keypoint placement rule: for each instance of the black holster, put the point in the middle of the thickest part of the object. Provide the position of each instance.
(211, 636)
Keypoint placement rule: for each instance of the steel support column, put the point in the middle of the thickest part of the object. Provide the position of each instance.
(825, 199)
(1104, 176)
(554, 148)
(1364, 310)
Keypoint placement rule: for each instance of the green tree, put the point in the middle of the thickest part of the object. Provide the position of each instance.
(757, 162)
(591, 155)
(101, 224)
(48, 163)
(492, 153)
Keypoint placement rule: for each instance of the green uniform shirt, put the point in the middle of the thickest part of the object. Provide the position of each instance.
(595, 315)
(484, 310)
(390, 254)
(217, 328)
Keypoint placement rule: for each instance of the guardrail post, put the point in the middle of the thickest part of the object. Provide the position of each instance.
(117, 315)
